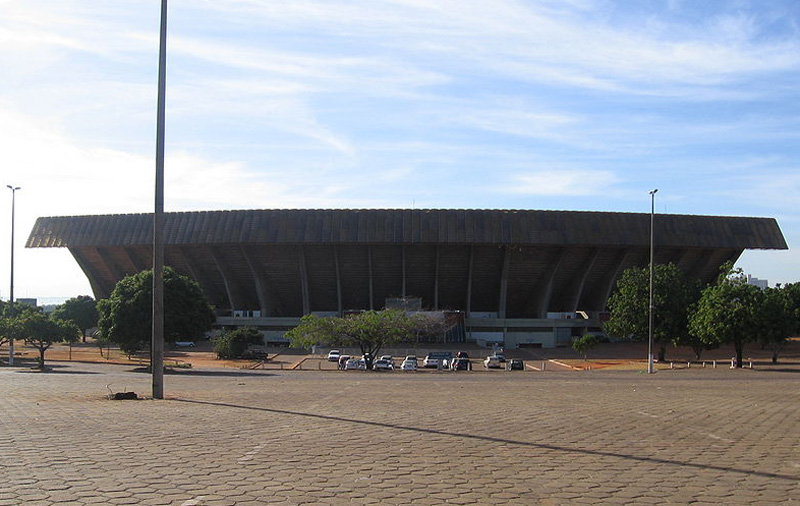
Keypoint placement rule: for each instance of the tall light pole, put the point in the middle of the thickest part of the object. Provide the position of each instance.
(650, 316)
(157, 344)
(11, 292)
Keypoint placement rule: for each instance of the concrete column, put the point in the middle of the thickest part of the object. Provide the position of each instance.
(221, 268)
(304, 290)
(502, 300)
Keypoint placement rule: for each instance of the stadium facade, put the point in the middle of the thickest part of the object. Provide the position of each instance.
(522, 277)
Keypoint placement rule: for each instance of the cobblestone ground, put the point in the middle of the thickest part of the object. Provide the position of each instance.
(232, 438)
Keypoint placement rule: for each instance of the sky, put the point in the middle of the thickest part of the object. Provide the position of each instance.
(504, 104)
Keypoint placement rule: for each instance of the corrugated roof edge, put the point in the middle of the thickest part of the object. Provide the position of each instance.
(759, 233)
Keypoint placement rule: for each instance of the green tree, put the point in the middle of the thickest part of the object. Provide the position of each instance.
(41, 332)
(584, 344)
(126, 316)
(9, 329)
(82, 310)
(234, 343)
(369, 331)
(777, 319)
(673, 296)
(728, 312)
(792, 293)
(10, 325)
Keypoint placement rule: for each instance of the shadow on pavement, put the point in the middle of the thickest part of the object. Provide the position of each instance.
(48, 370)
(492, 439)
(207, 372)
(27, 366)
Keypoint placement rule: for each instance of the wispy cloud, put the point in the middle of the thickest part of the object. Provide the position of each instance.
(466, 103)
(537, 42)
(555, 183)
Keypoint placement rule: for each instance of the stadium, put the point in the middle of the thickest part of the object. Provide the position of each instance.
(524, 278)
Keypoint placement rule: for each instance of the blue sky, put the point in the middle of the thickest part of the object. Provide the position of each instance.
(548, 104)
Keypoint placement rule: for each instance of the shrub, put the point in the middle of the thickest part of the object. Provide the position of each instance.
(234, 343)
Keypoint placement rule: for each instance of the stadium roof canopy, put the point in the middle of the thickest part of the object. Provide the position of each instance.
(514, 263)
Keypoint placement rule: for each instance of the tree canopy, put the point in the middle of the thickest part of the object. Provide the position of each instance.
(10, 325)
(37, 329)
(728, 312)
(673, 296)
(82, 310)
(41, 332)
(369, 331)
(126, 316)
(776, 320)
(584, 344)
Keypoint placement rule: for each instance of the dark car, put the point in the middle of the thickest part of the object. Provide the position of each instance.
(516, 364)
(461, 364)
(462, 354)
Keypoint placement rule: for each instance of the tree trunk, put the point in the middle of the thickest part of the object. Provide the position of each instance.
(662, 354)
(41, 358)
(698, 350)
(739, 352)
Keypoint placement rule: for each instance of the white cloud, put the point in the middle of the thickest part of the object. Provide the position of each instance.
(544, 41)
(312, 103)
(555, 183)
(519, 120)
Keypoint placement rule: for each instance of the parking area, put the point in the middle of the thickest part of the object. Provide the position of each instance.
(233, 437)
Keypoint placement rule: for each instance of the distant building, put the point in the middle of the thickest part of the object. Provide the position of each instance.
(28, 301)
(518, 277)
(761, 283)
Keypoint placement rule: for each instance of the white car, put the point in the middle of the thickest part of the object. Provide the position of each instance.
(387, 357)
(430, 362)
(355, 364)
(408, 365)
(382, 365)
(492, 362)
(333, 355)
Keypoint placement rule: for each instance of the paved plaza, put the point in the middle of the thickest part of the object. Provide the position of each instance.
(228, 437)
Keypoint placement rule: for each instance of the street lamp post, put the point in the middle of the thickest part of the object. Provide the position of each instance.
(157, 342)
(650, 316)
(11, 291)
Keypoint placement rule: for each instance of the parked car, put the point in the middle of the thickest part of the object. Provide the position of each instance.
(382, 365)
(462, 354)
(500, 356)
(492, 362)
(333, 355)
(411, 357)
(355, 364)
(461, 364)
(408, 365)
(389, 358)
(516, 364)
(430, 362)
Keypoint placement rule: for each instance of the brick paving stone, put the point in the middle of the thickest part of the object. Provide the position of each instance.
(308, 437)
